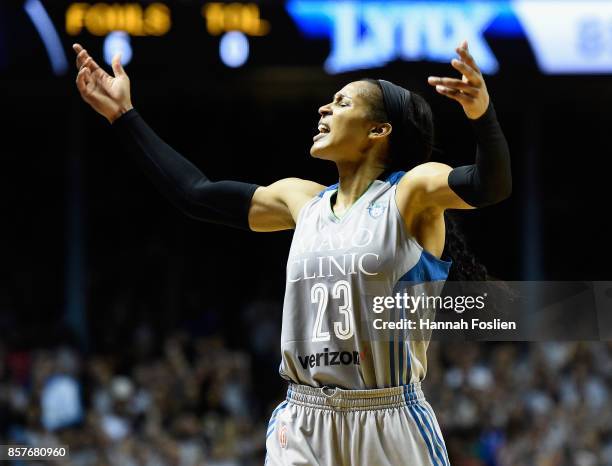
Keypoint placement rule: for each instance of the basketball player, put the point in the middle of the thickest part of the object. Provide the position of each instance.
(353, 398)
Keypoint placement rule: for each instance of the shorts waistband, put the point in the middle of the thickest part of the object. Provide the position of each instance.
(338, 399)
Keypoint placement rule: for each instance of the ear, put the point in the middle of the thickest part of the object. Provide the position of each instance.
(380, 130)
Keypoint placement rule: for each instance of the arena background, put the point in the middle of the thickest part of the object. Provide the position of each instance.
(170, 327)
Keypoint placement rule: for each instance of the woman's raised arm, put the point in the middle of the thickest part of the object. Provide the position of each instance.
(231, 203)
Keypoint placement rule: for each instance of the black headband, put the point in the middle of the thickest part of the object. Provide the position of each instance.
(406, 135)
(398, 104)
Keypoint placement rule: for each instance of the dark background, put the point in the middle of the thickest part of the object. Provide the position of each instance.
(68, 186)
(68, 189)
(89, 249)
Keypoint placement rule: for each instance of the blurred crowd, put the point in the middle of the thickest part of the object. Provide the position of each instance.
(186, 399)
(189, 405)
(523, 404)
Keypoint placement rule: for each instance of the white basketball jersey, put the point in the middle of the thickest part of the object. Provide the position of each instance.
(336, 268)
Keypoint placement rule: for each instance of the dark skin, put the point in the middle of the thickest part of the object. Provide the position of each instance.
(347, 137)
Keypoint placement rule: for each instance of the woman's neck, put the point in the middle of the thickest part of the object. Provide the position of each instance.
(354, 180)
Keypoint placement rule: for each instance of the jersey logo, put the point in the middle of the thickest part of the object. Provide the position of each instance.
(376, 209)
(330, 358)
(282, 437)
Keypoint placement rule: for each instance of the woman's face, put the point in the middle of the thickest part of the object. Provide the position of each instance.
(345, 130)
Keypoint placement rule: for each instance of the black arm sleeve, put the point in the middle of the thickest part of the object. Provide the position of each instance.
(223, 202)
(489, 180)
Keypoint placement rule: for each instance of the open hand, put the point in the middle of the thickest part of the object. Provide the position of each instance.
(108, 95)
(470, 91)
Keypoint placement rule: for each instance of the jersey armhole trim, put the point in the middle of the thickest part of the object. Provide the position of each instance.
(406, 233)
(329, 188)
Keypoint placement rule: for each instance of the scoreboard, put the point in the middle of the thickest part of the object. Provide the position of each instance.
(548, 36)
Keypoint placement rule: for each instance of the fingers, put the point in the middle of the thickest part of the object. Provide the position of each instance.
(470, 91)
(84, 59)
(81, 55)
(453, 83)
(117, 67)
(474, 77)
(80, 58)
(455, 94)
(93, 66)
(82, 81)
(467, 57)
(467, 67)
